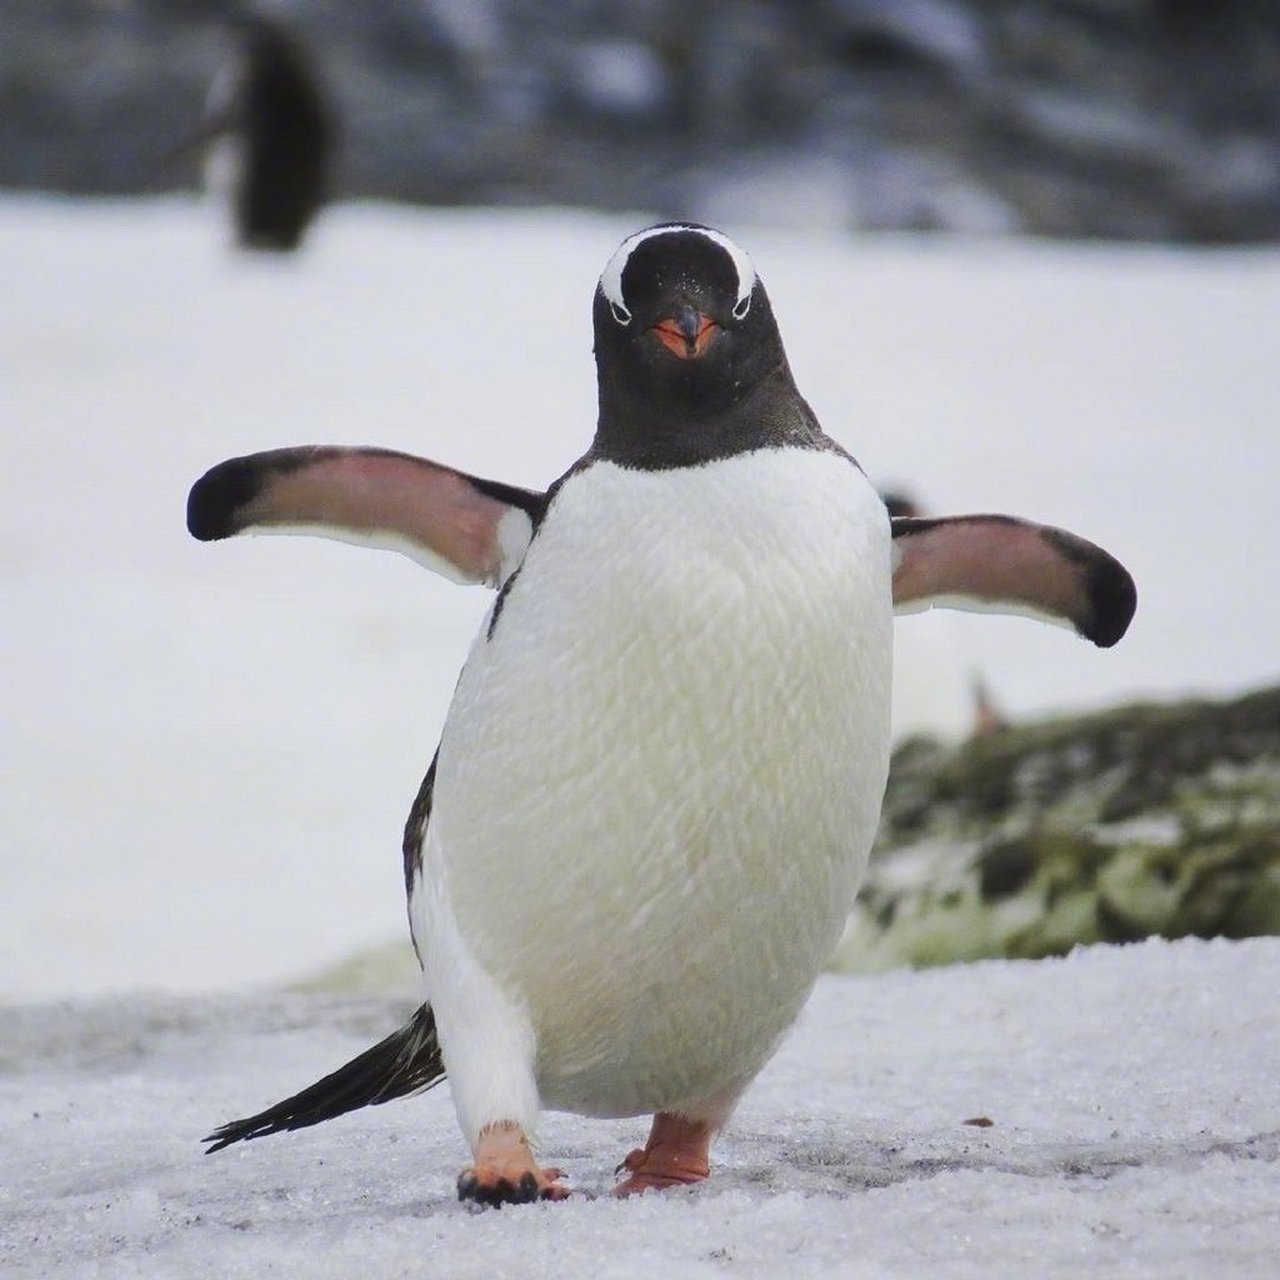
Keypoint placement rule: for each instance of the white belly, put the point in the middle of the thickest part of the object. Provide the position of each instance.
(660, 778)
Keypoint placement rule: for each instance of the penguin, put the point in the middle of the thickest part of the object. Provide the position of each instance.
(275, 134)
(659, 778)
(900, 503)
(931, 698)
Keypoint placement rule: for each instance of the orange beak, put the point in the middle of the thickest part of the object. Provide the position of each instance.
(687, 333)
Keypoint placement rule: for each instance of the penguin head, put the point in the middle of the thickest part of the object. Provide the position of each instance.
(262, 41)
(682, 322)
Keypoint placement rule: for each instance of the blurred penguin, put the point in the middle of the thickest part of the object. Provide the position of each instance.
(932, 694)
(899, 504)
(275, 135)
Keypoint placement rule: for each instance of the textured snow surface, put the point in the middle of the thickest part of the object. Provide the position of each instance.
(209, 751)
(1133, 1094)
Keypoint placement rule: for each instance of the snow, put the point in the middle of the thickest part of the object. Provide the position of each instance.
(1136, 1131)
(209, 752)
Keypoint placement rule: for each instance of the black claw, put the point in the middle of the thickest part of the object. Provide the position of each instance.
(496, 1194)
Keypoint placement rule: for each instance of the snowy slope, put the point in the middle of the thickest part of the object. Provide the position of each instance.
(1136, 1132)
(209, 751)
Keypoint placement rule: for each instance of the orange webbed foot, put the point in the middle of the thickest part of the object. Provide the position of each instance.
(505, 1171)
(676, 1155)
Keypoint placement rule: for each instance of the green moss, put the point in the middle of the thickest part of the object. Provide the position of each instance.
(1137, 821)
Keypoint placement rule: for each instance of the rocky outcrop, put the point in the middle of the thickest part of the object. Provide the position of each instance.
(1147, 820)
(1118, 118)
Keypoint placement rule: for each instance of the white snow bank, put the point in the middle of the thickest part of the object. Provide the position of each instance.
(1136, 1132)
(208, 752)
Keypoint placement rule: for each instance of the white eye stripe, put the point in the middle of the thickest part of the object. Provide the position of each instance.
(611, 277)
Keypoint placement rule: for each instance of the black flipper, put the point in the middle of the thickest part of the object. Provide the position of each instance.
(1000, 564)
(405, 1063)
(464, 527)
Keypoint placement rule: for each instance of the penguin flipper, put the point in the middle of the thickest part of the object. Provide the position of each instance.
(405, 1063)
(465, 528)
(1000, 564)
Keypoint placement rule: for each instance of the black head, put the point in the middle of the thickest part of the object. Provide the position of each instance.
(262, 41)
(685, 339)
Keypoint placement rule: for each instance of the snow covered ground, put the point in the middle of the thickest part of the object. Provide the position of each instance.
(1132, 1093)
(208, 752)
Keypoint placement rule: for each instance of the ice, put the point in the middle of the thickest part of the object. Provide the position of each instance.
(1135, 1131)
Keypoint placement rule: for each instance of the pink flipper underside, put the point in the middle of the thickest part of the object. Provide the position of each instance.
(367, 496)
(999, 563)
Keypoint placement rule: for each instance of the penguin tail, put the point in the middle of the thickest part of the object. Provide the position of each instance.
(405, 1063)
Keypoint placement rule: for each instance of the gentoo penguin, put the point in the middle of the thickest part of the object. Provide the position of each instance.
(936, 693)
(899, 503)
(661, 773)
(931, 698)
(276, 134)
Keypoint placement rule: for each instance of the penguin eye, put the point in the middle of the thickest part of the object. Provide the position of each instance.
(620, 313)
(741, 308)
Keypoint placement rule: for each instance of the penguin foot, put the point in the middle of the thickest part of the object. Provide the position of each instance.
(676, 1155)
(505, 1171)
(484, 1187)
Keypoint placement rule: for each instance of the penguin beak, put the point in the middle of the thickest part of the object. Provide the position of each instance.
(686, 332)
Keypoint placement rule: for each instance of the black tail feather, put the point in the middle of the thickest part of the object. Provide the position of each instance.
(405, 1063)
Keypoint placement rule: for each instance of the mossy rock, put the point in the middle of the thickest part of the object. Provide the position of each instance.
(1145, 820)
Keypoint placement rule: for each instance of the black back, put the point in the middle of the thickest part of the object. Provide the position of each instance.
(286, 134)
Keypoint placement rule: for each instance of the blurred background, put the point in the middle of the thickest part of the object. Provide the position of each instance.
(1126, 119)
(1024, 259)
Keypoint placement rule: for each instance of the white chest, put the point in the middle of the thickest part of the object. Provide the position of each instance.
(661, 775)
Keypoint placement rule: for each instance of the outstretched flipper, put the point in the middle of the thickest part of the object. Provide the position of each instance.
(468, 529)
(999, 564)
(403, 1064)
